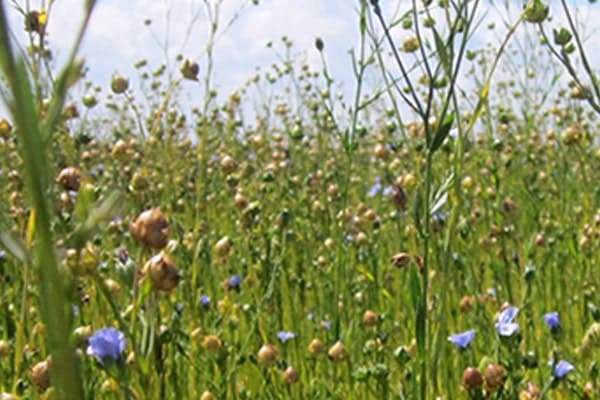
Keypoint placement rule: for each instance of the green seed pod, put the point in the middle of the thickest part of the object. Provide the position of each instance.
(562, 36)
(536, 11)
(119, 84)
(89, 100)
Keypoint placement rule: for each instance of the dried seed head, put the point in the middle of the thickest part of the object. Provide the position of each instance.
(190, 70)
(338, 352)
(267, 355)
(70, 111)
(162, 272)
(69, 178)
(472, 378)
(151, 228)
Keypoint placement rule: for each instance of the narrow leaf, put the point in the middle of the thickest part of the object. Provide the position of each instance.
(442, 133)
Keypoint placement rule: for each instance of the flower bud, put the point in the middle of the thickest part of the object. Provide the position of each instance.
(319, 45)
(151, 228)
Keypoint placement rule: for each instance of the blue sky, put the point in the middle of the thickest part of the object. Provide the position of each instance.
(117, 37)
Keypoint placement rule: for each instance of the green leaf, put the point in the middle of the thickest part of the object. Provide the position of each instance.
(442, 53)
(15, 247)
(442, 132)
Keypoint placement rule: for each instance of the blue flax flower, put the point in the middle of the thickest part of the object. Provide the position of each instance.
(462, 340)
(284, 336)
(506, 324)
(235, 281)
(552, 321)
(106, 344)
(375, 189)
(205, 301)
(562, 368)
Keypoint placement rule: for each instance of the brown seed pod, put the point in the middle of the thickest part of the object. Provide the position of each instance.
(290, 375)
(162, 272)
(316, 347)
(494, 377)
(151, 228)
(69, 178)
(401, 260)
(399, 197)
(338, 352)
(40, 375)
(267, 355)
(190, 70)
(370, 318)
(472, 378)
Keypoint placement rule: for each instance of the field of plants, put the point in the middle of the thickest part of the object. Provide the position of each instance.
(436, 235)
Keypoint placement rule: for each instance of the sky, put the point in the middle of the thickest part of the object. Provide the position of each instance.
(118, 37)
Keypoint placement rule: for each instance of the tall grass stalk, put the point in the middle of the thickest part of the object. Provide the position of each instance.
(33, 132)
